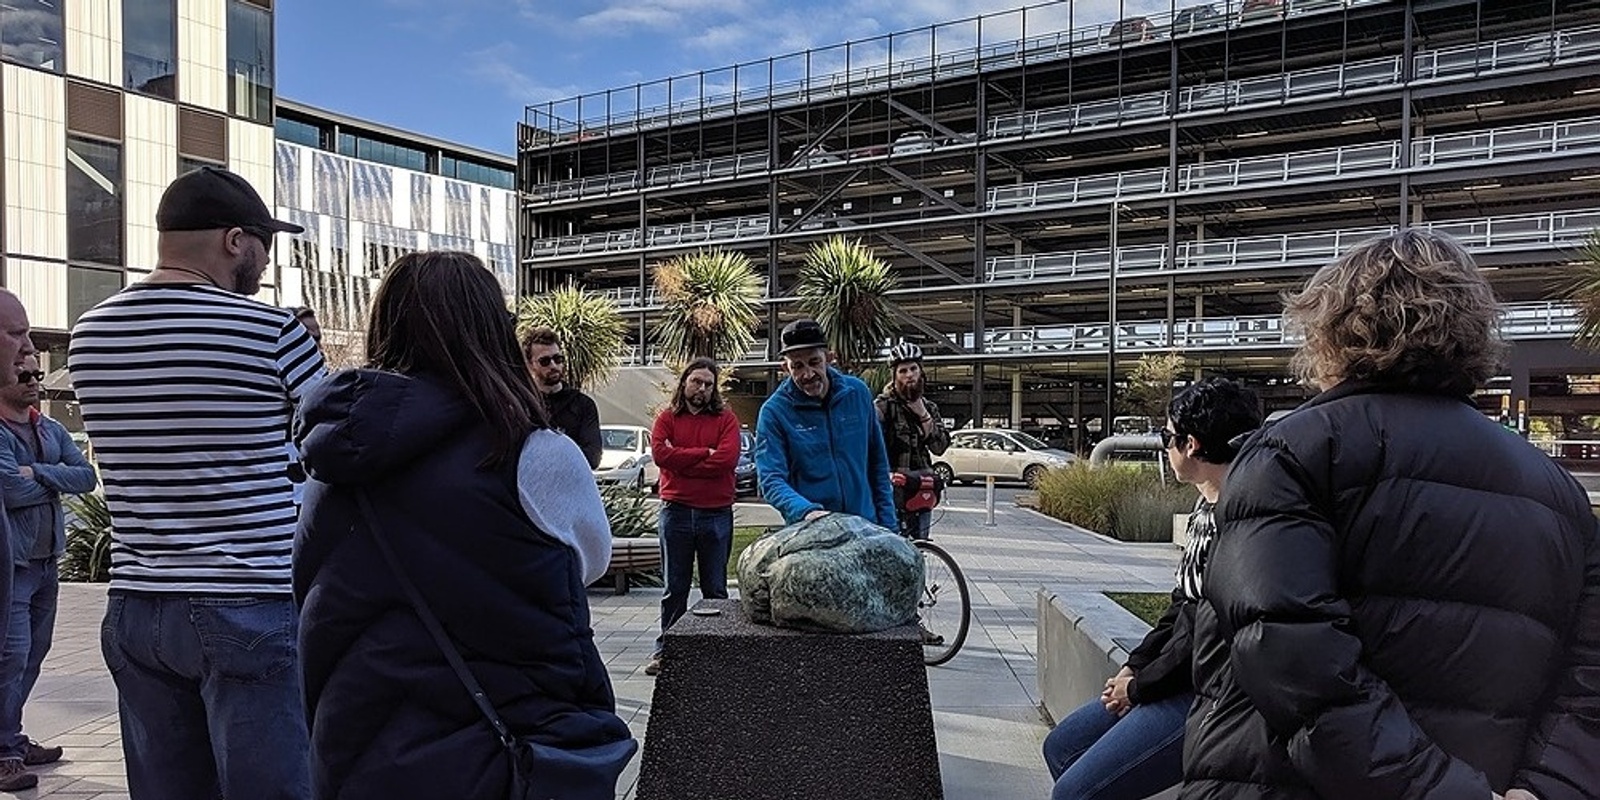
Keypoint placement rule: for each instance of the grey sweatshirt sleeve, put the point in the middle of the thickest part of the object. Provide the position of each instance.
(559, 494)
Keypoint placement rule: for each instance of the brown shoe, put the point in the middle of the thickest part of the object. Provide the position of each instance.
(654, 667)
(37, 754)
(14, 776)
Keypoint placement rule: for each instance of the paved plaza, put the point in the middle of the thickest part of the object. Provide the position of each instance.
(985, 700)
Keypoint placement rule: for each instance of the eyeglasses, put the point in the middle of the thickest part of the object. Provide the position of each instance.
(30, 376)
(1170, 439)
(262, 234)
(556, 358)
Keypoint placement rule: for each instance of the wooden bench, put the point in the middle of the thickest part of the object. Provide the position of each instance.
(632, 557)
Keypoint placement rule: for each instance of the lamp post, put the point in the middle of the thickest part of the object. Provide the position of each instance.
(1111, 327)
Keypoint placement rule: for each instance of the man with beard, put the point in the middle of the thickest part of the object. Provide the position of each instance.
(818, 444)
(695, 441)
(913, 432)
(571, 412)
(187, 388)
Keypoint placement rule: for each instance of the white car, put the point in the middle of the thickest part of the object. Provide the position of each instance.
(1007, 455)
(625, 457)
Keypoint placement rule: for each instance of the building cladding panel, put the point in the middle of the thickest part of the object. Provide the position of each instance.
(94, 40)
(203, 53)
(149, 144)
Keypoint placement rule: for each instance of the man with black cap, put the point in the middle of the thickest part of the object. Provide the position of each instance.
(187, 387)
(819, 447)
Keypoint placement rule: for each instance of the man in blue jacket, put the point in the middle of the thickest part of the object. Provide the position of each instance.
(39, 463)
(818, 444)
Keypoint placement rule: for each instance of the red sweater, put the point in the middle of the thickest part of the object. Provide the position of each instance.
(681, 445)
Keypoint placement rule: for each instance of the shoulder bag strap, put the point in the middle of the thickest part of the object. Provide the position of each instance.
(436, 630)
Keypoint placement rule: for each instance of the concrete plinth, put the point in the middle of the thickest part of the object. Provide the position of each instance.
(749, 712)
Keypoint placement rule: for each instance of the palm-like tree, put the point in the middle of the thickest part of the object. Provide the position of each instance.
(1584, 291)
(844, 286)
(710, 306)
(589, 326)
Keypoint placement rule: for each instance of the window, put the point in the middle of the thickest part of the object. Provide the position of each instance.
(372, 193)
(87, 286)
(149, 47)
(288, 175)
(250, 61)
(457, 209)
(94, 201)
(421, 202)
(31, 33)
(190, 164)
(330, 185)
(293, 130)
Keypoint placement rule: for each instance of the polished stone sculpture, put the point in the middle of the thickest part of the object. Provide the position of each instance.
(836, 574)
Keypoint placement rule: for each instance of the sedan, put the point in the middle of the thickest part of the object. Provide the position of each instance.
(625, 457)
(1004, 454)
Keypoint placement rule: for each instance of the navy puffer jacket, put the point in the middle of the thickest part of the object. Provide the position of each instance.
(1403, 602)
(388, 716)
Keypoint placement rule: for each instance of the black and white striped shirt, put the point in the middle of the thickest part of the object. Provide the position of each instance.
(1202, 535)
(187, 392)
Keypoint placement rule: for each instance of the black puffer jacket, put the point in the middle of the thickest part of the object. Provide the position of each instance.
(1404, 602)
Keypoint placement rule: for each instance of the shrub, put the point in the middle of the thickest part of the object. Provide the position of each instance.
(1122, 501)
(628, 512)
(88, 556)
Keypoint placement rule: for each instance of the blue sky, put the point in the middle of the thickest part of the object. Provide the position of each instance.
(463, 70)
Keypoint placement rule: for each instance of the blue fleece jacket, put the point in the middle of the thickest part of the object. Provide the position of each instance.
(824, 454)
(33, 505)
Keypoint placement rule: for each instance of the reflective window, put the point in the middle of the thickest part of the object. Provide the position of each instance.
(190, 164)
(372, 193)
(503, 263)
(288, 175)
(87, 286)
(392, 154)
(457, 209)
(483, 214)
(250, 61)
(94, 201)
(347, 145)
(422, 202)
(31, 33)
(293, 130)
(330, 185)
(150, 47)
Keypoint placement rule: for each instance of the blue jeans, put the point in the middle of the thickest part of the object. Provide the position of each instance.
(1093, 755)
(209, 693)
(916, 524)
(690, 535)
(34, 589)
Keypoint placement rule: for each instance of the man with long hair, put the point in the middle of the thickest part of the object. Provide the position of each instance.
(1403, 600)
(571, 411)
(913, 431)
(695, 442)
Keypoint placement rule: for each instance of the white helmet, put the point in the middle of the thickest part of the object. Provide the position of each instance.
(903, 352)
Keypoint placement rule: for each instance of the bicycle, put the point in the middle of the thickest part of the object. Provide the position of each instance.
(945, 609)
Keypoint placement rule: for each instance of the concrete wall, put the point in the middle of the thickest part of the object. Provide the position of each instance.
(1083, 638)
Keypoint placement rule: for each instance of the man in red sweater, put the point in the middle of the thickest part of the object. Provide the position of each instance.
(695, 442)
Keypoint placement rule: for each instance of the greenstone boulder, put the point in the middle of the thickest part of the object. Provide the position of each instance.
(835, 574)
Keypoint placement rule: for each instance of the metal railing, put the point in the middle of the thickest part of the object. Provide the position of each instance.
(1558, 47)
(1116, 186)
(1516, 232)
(702, 170)
(1520, 321)
(632, 298)
(730, 229)
(1566, 136)
(1333, 162)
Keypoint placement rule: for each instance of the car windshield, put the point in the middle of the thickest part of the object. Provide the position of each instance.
(1028, 441)
(619, 439)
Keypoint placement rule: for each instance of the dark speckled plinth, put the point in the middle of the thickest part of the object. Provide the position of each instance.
(749, 712)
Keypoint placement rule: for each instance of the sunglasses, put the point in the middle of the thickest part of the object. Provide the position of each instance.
(30, 376)
(545, 361)
(262, 234)
(1170, 439)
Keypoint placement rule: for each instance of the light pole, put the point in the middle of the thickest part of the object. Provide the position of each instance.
(1111, 327)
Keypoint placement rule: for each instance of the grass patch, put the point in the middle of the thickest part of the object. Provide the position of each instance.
(1148, 606)
(742, 537)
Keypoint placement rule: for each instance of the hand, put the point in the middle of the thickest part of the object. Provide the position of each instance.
(1115, 696)
(711, 451)
(815, 514)
(26, 472)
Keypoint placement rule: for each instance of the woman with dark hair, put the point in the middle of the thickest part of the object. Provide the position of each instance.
(1128, 743)
(1404, 598)
(496, 522)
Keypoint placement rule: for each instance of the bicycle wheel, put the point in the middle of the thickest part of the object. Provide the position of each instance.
(945, 607)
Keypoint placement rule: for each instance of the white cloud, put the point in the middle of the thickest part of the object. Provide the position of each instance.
(497, 65)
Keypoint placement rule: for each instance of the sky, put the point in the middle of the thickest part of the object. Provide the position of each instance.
(463, 70)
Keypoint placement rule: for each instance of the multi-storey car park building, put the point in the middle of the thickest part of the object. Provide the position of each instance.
(1059, 197)
(106, 101)
(367, 194)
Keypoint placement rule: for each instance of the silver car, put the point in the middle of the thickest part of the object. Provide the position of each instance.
(1005, 454)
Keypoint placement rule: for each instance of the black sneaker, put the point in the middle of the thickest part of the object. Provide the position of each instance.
(14, 776)
(929, 638)
(37, 754)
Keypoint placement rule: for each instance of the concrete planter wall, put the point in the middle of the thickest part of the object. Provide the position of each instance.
(1083, 639)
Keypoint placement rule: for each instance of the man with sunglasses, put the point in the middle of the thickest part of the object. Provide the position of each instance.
(39, 463)
(187, 387)
(571, 411)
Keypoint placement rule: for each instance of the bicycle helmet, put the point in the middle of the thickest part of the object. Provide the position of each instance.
(903, 352)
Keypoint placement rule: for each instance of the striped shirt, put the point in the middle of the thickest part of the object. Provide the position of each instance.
(187, 392)
(1202, 535)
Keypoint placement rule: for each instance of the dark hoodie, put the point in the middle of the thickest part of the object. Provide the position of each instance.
(388, 716)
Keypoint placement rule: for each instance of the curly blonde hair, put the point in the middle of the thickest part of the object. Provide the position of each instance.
(1409, 309)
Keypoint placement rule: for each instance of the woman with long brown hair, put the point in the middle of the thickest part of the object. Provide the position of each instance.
(437, 490)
